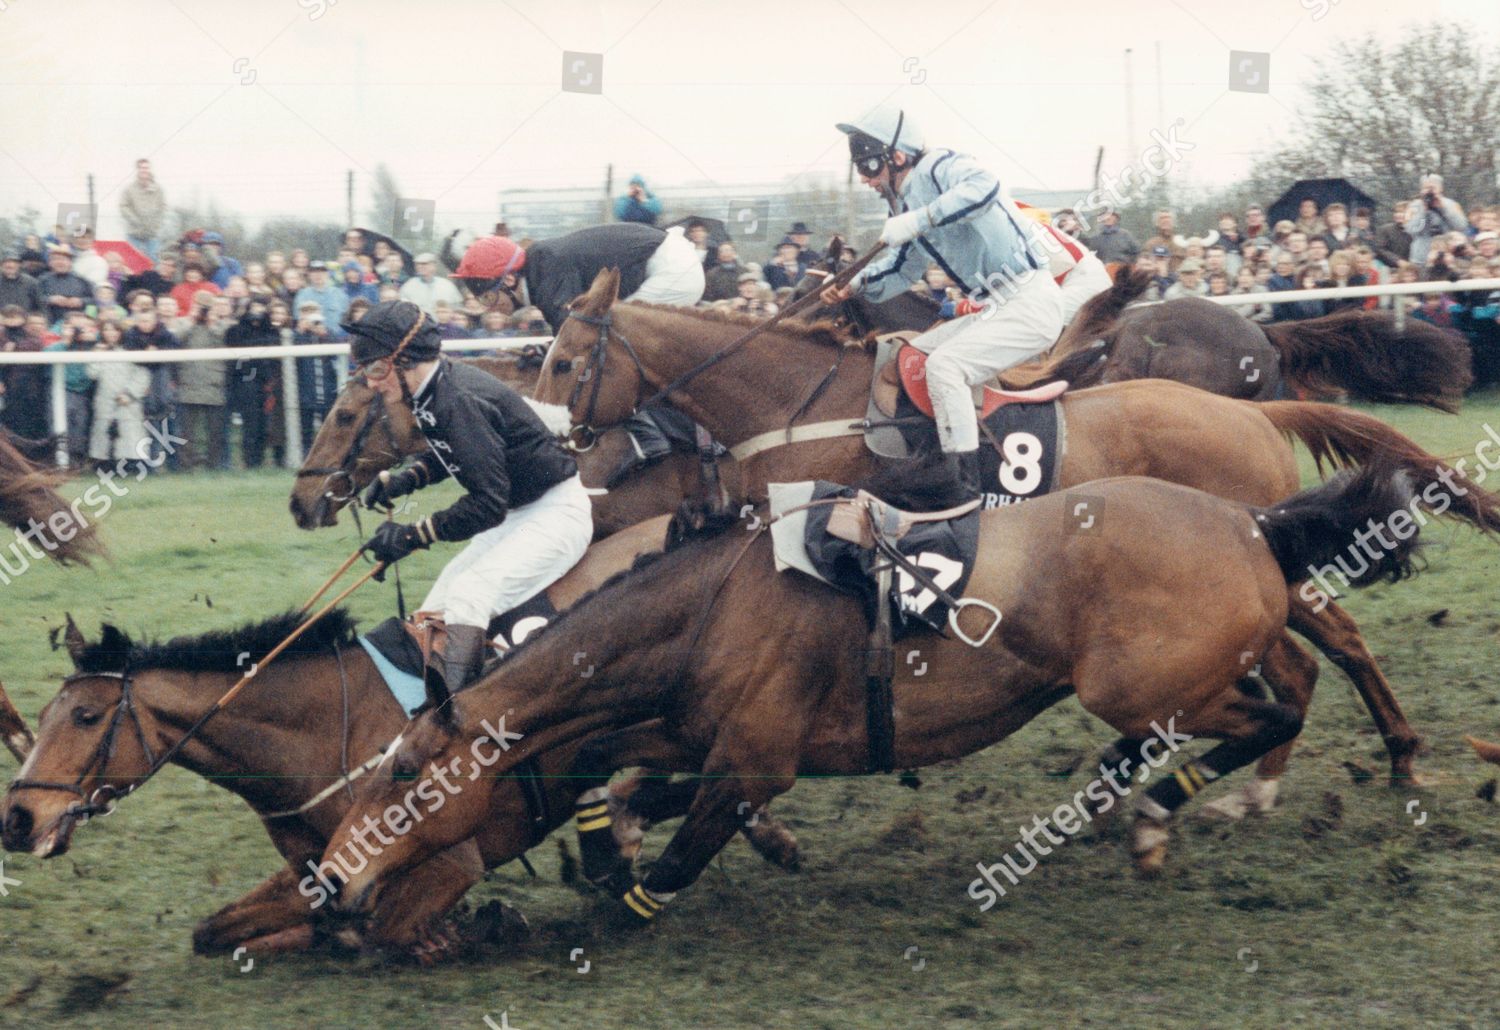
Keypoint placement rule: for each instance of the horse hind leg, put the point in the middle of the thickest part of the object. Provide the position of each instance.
(1248, 727)
(1291, 673)
(639, 803)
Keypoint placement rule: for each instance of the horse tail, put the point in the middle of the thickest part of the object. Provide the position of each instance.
(1345, 439)
(1312, 529)
(34, 451)
(29, 494)
(1364, 353)
(1485, 750)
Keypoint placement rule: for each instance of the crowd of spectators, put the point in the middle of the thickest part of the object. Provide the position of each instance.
(64, 293)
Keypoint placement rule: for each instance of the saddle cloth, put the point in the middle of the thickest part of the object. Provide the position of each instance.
(832, 543)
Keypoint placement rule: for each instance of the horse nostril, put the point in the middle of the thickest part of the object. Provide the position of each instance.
(18, 825)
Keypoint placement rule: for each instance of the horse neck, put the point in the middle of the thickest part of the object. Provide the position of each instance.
(285, 725)
(758, 388)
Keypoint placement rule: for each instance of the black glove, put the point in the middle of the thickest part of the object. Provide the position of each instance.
(388, 486)
(394, 541)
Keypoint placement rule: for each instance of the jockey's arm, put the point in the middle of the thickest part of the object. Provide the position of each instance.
(478, 457)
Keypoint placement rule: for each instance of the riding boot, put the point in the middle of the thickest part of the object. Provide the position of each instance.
(962, 469)
(463, 657)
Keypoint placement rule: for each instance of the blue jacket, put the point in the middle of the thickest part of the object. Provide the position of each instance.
(628, 209)
(331, 299)
(970, 231)
(228, 268)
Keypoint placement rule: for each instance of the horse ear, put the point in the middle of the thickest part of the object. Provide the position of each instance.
(115, 645)
(437, 691)
(603, 293)
(73, 640)
(835, 248)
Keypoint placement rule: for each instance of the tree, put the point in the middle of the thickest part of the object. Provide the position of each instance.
(1385, 116)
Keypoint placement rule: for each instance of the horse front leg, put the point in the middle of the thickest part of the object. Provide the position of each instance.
(409, 915)
(1336, 634)
(269, 911)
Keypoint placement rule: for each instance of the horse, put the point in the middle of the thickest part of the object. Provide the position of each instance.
(289, 746)
(1231, 448)
(763, 675)
(29, 497)
(362, 436)
(1207, 345)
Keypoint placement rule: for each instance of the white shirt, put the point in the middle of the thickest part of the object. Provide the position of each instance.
(426, 295)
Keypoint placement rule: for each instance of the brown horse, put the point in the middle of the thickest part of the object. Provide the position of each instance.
(1210, 346)
(1233, 449)
(362, 436)
(29, 497)
(763, 675)
(14, 732)
(309, 718)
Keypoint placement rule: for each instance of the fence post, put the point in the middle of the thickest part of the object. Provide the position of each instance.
(60, 413)
(292, 403)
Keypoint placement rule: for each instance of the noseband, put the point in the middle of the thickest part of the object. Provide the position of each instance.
(102, 799)
(375, 414)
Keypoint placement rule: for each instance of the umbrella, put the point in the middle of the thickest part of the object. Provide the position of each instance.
(371, 236)
(717, 232)
(1324, 192)
(134, 259)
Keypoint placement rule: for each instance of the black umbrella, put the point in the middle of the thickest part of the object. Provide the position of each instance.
(717, 232)
(1324, 192)
(371, 236)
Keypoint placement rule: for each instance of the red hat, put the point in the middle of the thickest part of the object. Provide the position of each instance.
(491, 257)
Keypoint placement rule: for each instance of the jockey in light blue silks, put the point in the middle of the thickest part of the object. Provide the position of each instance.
(949, 211)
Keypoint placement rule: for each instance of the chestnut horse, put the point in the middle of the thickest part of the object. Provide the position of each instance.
(762, 675)
(1231, 448)
(309, 718)
(28, 496)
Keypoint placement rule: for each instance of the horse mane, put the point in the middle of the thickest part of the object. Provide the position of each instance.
(28, 493)
(219, 650)
(823, 332)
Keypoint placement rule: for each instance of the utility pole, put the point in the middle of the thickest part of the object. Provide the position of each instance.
(349, 198)
(1161, 101)
(1129, 104)
(609, 190)
(92, 209)
(849, 205)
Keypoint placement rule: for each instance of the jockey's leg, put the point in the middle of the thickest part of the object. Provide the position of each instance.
(674, 275)
(1086, 280)
(506, 566)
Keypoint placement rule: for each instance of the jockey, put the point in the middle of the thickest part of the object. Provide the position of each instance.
(660, 266)
(949, 210)
(525, 513)
(1077, 270)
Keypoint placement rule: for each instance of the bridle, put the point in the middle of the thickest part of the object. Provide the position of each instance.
(102, 799)
(583, 436)
(375, 415)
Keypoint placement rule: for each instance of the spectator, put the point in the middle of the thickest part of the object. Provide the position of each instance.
(118, 435)
(801, 235)
(201, 385)
(1295, 244)
(1392, 241)
(317, 379)
(1431, 215)
(331, 300)
(275, 266)
(493, 322)
(33, 260)
(1309, 278)
(1244, 283)
(754, 298)
(1255, 222)
(1111, 243)
(1361, 230)
(426, 288)
(1189, 281)
(300, 261)
(80, 334)
(357, 308)
(105, 305)
(144, 208)
(87, 262)
(155, 281)
(25, 389)
(697, 235)
(1230, 237)
(148, 331)
(1284, 280)
(62, 291)
(1316, 254)
(935, 285)
(1166, 236)
(638, 204)
(1160, 257)
(722, 279)
(223, 266)
(293, 280)
(16, 287)
(355, 285)
(1308, 222)
(1364, 266)
(1338, 235)
(787, 267)
(389, 291)
(254, 385)
(392, 269)
(1341, 273)
(194, 278)
(1218, 284)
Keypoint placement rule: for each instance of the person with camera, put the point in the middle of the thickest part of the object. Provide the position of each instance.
(1431, 215)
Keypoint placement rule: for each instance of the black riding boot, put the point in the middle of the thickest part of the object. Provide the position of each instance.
(463, 657)
(963, 474)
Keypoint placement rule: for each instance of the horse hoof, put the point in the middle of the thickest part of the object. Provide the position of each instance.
(775, 843)
(1148, 845)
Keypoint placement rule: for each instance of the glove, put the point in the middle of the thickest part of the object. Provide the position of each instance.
(387, 487)
(902, 228)
(394, 541)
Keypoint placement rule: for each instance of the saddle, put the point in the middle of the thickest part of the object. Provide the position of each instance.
(906, 373)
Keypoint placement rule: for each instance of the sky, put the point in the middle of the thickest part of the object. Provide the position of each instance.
(263, 107)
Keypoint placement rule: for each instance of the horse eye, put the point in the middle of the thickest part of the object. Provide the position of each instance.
(562, 366)
(344, 418)
(86, 716)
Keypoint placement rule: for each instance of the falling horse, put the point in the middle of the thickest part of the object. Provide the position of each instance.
(1213, 347)
(811, 375)
(29, 497)
(762, 675)
(308, 726)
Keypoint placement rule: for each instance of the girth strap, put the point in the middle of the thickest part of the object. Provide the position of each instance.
(880, 670)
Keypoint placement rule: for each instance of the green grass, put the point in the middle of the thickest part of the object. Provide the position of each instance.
(1351, 914)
